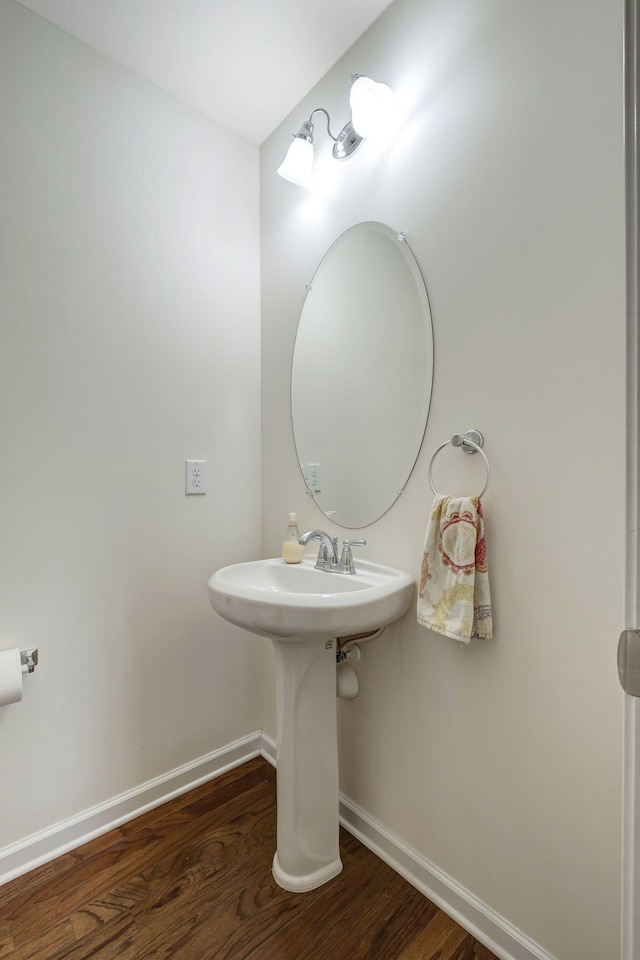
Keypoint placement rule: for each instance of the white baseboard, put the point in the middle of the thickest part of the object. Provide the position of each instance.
(39, 848)
(269, 749)
(484, 924)
(490, 929)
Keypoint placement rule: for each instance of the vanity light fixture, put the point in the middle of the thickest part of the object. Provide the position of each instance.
(372, 110)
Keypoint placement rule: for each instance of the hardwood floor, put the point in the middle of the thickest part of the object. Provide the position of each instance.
(191, 880)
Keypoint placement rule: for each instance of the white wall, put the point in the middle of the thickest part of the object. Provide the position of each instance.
(129, 326)
(500, 762)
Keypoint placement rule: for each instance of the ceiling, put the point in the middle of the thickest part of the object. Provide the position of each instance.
(245, 63)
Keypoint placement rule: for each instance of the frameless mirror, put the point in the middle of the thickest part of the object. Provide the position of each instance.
(362, 374)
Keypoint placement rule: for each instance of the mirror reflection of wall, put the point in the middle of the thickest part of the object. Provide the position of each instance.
(362, 374)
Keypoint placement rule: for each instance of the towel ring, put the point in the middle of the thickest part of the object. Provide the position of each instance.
(471, 441)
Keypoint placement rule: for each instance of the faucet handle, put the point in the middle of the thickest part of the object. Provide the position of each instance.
(346, 560)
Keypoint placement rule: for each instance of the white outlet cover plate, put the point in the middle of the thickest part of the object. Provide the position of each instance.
(312, 477)
(195, 477)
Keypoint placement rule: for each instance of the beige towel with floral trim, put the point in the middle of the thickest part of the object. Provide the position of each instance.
(453, 594)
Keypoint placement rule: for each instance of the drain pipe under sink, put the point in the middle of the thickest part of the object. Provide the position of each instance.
(347, 685)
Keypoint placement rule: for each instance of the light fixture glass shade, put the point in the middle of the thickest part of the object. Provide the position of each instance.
(297, 166)
(372, 107)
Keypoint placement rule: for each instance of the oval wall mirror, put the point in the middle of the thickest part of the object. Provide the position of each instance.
(362, 374)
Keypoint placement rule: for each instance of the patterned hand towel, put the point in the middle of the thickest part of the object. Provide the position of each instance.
(453, 594)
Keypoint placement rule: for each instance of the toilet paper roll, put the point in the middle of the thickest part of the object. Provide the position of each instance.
(347, 685)
(10, 677)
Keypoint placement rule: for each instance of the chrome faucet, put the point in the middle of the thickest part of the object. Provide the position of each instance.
(328, 552)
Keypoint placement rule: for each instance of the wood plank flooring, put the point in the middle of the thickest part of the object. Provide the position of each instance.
(191, 880)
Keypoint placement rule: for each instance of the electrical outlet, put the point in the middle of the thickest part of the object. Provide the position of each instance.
(312, 477)
(195, 479)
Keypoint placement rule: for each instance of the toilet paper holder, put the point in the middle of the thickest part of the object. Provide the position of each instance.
(28, 660)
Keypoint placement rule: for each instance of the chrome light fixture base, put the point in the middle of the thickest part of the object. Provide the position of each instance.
(347, 142)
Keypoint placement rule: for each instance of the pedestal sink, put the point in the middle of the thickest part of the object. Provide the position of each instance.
(303, 610)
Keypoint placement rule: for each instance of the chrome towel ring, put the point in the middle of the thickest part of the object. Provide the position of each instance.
(471, 441)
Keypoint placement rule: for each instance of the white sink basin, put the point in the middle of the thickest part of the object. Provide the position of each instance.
(278, 599)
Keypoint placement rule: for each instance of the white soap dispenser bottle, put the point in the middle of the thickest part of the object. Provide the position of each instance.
(292, 551)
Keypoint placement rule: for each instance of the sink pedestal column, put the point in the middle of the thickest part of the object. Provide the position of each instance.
(307, 776)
